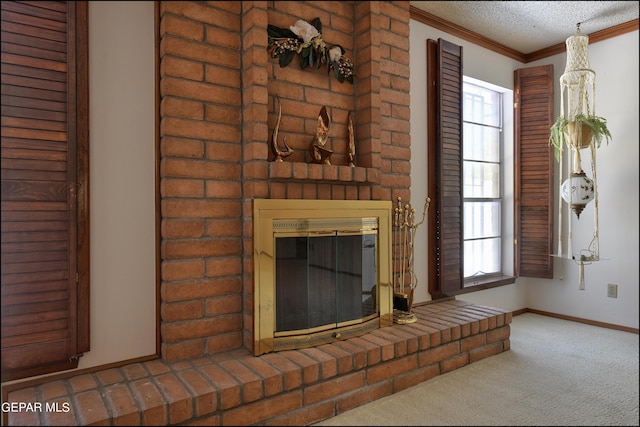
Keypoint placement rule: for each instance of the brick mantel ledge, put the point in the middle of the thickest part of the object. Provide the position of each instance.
(319, 172)
(295, 387)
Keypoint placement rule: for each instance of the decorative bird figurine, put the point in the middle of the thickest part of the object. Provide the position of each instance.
(277, 152)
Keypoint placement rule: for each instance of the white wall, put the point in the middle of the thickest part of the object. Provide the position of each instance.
(615, 62)
(122, 181)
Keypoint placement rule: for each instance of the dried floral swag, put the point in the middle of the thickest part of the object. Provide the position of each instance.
(305, 39)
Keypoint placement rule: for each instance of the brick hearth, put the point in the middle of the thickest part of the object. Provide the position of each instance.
(296, 387)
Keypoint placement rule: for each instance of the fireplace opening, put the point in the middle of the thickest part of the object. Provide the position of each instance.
(322, 271)
(324, 281)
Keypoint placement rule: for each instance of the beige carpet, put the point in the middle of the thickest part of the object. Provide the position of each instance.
(557, 372)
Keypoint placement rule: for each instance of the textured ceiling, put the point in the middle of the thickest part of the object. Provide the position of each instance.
(529, 26)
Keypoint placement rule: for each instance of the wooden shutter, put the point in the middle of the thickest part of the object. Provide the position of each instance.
(533, 172)
(44, 166)
(444, 105)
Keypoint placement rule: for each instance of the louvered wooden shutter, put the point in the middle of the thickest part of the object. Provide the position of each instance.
(533, 172)
(40, 116)
(444, 104)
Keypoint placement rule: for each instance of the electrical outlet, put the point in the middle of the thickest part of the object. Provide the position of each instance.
(612, 290)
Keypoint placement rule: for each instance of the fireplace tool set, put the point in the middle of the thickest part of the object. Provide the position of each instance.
(404, 277)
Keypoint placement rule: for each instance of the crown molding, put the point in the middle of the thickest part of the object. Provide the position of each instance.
(468, 35)
(596, 37)
(465, 34)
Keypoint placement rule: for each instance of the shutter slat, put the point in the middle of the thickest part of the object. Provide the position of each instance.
(45, 76)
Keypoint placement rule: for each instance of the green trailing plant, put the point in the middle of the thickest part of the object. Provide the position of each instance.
(563, 132)
(559, 136)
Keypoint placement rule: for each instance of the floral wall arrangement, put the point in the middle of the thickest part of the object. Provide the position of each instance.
(305, 40)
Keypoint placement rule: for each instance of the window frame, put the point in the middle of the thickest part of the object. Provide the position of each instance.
(505, 275)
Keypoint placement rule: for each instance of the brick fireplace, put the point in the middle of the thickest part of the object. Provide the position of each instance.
(218, 110)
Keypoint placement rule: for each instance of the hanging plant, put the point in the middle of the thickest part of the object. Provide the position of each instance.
(305, 40)
(564, 132)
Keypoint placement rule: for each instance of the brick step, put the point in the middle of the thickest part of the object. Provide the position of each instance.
(294, 387)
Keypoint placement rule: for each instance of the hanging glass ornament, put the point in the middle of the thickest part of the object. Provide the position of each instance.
(578, 190)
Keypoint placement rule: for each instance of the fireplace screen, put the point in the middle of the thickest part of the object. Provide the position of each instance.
(322, 271)
(324, 280)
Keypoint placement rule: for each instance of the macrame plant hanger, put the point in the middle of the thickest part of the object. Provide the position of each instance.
(577, 98)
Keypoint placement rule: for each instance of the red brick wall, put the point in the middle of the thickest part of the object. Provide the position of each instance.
(218, 109)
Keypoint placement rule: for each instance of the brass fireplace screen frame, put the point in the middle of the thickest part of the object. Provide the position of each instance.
(273, 216)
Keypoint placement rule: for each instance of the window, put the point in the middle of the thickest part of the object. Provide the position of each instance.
(482, 182)
(491, 200)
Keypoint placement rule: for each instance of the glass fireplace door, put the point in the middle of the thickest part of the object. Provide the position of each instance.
(324, 280)
(356, 277)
